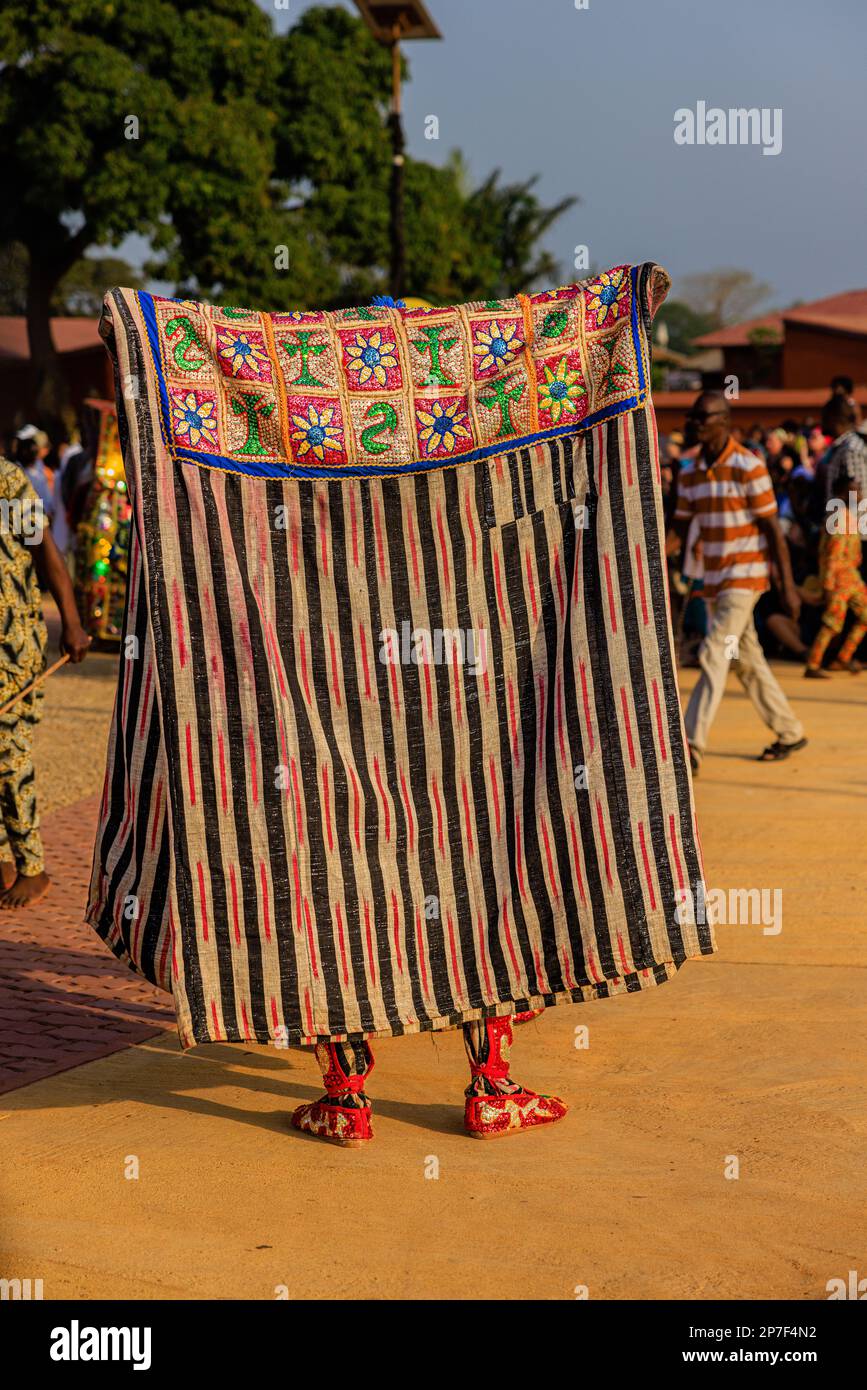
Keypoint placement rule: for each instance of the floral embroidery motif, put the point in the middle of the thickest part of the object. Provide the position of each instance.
(561, 391)
(496, 344)
(606, 297)
(371, 359)
(194, 419)
(443, 427)
(316, 432)
(243, 354)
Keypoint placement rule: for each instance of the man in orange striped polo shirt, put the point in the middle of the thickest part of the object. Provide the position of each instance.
(728, 491)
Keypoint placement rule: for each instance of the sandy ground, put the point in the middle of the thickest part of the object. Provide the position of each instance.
(755, 1056)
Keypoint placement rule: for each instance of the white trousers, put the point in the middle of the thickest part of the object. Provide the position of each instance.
(732, 643)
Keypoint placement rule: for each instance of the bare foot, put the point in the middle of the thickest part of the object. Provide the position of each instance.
(8, 873)
(26, 890)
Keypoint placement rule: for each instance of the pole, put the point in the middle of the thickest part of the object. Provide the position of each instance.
(398, 232)
(33, 684)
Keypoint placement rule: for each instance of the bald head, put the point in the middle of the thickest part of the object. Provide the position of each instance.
(712, 402)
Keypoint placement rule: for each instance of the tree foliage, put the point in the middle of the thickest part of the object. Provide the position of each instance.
(79, 293)
(724, 296)
(684, 325)
(151, 117)
(195, 126)
(336, 156)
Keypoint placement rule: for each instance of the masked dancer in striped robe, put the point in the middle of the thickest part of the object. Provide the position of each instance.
(398, 747)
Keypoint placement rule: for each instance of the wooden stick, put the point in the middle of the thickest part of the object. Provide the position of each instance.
(33, 684)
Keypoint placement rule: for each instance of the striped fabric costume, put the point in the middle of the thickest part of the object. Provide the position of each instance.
(397, 742)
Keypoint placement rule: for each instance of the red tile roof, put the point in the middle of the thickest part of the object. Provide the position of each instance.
(69, 334)
(843, 313)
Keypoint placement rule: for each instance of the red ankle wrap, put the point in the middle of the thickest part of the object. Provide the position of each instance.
(499, 1037)
(337, 1082)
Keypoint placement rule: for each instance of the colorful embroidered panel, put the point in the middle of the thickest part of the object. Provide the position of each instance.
(368, 391)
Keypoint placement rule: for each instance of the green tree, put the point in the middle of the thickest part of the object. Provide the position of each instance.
(683, 324)
(79, 293)
(149, 117)
(82, 289)
(334, 150)
(256, 166)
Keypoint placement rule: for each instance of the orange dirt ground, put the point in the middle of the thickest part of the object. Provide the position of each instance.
(755, 1054)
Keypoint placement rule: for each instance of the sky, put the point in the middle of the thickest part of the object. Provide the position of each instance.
(586, 98)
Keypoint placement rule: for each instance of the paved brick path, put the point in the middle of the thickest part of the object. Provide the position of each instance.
(64, 999)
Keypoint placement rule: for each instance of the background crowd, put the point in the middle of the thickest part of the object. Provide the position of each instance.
(809, 462)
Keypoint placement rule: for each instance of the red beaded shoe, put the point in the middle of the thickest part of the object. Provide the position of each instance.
(490, 1117)
(493, 1115)
(347, 1125)
(526, 1015)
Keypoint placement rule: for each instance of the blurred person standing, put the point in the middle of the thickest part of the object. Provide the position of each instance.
(728, 491)
(32, 447)
(817, 445)
(845, 461)
(28, 556)
(669, 469)
(775, 442)
(71, 461)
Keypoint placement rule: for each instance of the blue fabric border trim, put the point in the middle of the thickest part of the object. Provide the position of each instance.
(146, 302)
(262, 469)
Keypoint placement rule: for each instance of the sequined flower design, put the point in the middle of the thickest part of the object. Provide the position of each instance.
(239, 351)
(443, 426)
(314, 432)
(604, 296)
(194, 421)
(560, 390)
(495, 345)
(370, 356)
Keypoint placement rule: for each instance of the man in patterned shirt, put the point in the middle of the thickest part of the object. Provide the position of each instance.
(26, 550)
(844, 467)
(728, 491)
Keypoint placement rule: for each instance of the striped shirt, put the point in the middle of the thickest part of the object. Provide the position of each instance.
(727, 496)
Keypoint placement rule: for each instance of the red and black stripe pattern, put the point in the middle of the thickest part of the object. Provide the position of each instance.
(393, 753)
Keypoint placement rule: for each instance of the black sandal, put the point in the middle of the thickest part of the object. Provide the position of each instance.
(778, 751)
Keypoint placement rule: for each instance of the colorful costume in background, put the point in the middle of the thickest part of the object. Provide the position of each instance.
(844, 590)
(23, 641)
(102, 536)
(402, 747)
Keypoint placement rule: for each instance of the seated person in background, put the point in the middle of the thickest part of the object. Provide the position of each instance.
(776, 628)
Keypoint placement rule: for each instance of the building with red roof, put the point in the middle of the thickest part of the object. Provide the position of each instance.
(800, 347)
(83, 359)
(784, 362)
